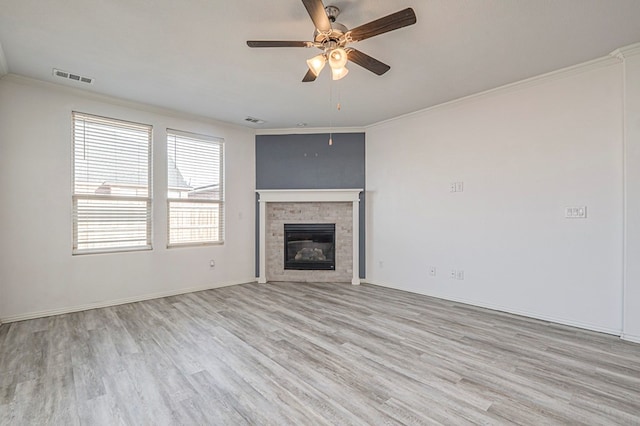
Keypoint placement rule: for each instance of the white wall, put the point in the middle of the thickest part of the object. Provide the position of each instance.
(631, 329)
(38, 274)
(524, 153)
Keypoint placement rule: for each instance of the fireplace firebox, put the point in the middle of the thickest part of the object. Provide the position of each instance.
(309, 246)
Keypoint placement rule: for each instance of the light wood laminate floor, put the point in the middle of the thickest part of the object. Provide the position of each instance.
(307, 354)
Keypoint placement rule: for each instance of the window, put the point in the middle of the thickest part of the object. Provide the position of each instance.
(195, 189)
(111, 185)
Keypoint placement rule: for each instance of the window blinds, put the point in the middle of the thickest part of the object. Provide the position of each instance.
(195, 193)
(112, 185)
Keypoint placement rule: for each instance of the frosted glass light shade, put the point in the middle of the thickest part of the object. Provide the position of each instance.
(338, 73)
(316, 64)
(338, 58)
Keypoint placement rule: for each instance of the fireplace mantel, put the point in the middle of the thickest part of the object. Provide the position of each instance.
(309, 196)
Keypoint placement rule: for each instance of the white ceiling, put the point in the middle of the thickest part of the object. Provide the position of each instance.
(191, 55)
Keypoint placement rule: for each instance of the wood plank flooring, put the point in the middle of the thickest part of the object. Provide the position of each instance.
(311, 354)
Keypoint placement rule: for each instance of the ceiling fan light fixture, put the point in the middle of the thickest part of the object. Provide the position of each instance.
(333, 39)
(316, 64)
(338, 73)
(337, 58)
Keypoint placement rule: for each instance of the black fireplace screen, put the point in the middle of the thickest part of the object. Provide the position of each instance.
(310, 246)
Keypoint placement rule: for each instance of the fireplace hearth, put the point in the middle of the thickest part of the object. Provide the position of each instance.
(309, 246)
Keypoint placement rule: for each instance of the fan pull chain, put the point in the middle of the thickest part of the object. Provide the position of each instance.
(338, 107)
(330, 112)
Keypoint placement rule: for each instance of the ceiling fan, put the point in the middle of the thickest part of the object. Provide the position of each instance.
(332, 38)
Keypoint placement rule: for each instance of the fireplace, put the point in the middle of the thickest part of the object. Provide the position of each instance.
(309, 246)
(286, 206)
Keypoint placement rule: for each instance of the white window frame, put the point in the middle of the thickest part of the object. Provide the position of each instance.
(197, 203)
(82, 218)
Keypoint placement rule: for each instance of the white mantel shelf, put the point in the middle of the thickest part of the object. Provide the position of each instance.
(310, 196)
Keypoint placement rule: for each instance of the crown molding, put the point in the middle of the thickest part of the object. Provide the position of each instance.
(86, 94)
(603, 62)
(4, 66)
(626, 51)
(309, 130)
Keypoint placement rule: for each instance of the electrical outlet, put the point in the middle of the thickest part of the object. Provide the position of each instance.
(579, 212)
(456, 274)
(212, 263)
(432, 271)
(456, 187)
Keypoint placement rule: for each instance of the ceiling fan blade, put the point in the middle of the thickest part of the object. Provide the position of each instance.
(278, 43)
(388, 23)
(309, 76)
(317, 14)
(366, 61)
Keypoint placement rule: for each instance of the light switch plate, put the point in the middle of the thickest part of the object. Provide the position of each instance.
(577, 212)
(456, 187)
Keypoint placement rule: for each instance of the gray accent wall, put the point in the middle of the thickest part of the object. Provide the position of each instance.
(308, 162)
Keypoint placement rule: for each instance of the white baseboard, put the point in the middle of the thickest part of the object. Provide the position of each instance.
(630, 338)
(542, 317)
(528, 314)
(107, 303)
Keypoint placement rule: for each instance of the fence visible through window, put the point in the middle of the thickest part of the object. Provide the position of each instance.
(195, 193)
(111, 184)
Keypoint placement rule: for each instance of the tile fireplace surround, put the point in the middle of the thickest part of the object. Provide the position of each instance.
(310, 198)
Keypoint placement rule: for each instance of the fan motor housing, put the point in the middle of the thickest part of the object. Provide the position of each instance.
(333, 38)
(336, 33)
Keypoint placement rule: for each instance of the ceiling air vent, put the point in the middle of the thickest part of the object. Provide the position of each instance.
(70, 76)
(254, 120)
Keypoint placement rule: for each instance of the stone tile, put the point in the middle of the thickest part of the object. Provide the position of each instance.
(280, 213)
